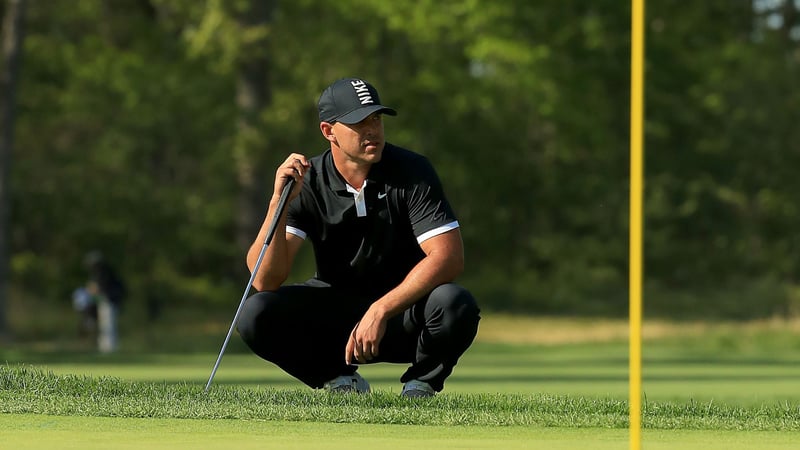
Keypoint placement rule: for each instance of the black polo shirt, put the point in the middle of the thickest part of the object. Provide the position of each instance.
(368, 241)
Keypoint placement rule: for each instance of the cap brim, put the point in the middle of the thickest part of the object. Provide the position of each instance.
(361, 113)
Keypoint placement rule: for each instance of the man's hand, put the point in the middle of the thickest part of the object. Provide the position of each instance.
(294, 166)
(365, 338)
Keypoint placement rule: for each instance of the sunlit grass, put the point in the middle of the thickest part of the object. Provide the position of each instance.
(26, 389)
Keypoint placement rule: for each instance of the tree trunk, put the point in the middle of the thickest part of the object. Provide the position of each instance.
(253, 94)
(790, 19)
(12, 47)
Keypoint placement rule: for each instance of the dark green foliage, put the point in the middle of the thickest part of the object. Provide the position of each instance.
(127, 141)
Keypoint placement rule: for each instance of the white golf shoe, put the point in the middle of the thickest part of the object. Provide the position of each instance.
(417, 389)
(347, 383)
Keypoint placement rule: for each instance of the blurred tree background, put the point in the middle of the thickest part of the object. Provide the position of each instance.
(150, 129)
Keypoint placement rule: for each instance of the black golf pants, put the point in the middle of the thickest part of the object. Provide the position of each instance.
(304, 329)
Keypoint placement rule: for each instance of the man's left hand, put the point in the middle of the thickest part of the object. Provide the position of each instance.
(365, 338)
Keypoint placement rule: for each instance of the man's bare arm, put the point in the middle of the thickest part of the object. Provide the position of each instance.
(279, 257)
(443, 262)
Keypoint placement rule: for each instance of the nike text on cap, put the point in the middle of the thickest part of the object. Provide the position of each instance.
(350, 100)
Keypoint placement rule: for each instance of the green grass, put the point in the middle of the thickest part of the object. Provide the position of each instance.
(30, 390)
(673, 371)
(103, 433)
(39, 409)
(501, 402)
(721, 387)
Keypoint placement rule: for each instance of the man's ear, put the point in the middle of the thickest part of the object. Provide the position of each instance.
(327, 131)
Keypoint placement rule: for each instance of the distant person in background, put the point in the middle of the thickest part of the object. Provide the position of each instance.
(85, 304)
(108, 290)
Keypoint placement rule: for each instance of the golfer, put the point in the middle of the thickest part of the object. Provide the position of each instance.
(387, 246)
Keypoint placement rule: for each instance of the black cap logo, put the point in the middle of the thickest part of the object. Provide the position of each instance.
(350, 100)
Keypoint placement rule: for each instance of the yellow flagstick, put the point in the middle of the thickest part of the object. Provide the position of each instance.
(635, 287)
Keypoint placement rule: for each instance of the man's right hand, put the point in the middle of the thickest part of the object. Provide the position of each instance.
(295, 167)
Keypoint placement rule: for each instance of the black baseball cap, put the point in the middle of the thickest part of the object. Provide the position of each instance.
(350, 100)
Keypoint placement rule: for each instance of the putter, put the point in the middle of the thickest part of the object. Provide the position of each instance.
(270, 232)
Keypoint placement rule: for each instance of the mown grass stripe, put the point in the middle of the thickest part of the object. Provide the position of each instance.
(26, 389)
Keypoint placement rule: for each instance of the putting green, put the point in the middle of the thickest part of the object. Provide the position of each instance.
(47, 432)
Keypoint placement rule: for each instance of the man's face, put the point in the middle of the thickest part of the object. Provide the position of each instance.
(362, 141)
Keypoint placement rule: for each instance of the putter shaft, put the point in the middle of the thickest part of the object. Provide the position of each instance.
(270, 233)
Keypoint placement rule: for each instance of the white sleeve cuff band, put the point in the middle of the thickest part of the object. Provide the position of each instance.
(436, 231)
(296, 231)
